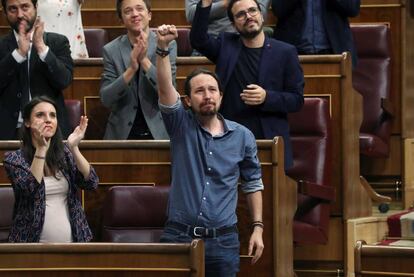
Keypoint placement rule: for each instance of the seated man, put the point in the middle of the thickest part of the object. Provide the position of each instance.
(32, 63)
(129, 81)
(262, 77)
(209, 154)
(316, 26)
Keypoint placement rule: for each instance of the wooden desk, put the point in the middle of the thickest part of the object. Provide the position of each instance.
(102, 259)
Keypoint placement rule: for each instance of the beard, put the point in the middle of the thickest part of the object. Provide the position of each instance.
(209, 111)
(29, 24)
(245, 33)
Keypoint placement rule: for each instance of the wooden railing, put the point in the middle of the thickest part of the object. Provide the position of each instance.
(102, 259)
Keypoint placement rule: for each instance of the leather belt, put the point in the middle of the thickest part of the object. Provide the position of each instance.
(202, 232)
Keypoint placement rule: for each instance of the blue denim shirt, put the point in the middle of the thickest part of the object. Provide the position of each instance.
(206, 169)
(314, 36)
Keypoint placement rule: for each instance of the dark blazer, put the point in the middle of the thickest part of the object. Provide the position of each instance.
(280, 74)
(30, 198)
(335, 18)
(46, 78)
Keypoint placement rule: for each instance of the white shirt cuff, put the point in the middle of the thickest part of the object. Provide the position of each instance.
(19, 58)
(43, 55)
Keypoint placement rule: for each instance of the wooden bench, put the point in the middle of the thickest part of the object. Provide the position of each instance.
(377, 260)
(102, 259)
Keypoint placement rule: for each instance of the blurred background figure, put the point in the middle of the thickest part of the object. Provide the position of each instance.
(64, 17)
(316, 26)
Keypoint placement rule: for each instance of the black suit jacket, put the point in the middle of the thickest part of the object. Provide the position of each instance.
(335, 15)
(47, 78)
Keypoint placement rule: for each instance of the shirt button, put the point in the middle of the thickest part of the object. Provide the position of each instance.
(208, 183)
(209, 169)
(211, 153)
(19, 95)
(201, 213)
(204, 198)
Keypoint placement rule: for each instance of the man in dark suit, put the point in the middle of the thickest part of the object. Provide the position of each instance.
(316, 26)
(262, 77)
(32, 63)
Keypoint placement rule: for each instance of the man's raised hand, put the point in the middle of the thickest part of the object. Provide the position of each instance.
(166, 34)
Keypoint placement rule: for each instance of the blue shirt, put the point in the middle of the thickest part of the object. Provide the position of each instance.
(206, 169)
(314, 36)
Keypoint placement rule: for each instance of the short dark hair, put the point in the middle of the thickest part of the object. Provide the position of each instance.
(119, 4)
(196, 72)
(4, 4)
(55, 155)
(230, 6)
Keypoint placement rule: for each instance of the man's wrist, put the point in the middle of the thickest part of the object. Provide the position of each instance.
(161, 52)
(162, 46)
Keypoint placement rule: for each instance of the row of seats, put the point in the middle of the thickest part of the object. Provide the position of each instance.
(138, 213)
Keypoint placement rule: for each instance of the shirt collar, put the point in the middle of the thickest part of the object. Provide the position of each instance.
(229, 126)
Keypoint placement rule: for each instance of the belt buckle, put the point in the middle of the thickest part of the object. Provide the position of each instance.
(197, 235)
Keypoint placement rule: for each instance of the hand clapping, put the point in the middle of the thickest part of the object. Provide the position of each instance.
(79, 133)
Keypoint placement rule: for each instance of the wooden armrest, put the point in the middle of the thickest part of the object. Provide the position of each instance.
(315, 190)
(387, 106)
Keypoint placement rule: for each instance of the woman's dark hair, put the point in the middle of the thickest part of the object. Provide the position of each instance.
(55, 157)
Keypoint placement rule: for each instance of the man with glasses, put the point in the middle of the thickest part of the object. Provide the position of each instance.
(218, 20)
(262, 77)
(129, 79)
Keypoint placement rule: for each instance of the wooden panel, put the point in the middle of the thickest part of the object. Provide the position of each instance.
(370, 229)
(408, 73)
(408, 173)
(332, 251)
(154, 4)
(105, 259)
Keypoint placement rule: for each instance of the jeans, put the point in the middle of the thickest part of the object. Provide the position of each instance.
(221, 253)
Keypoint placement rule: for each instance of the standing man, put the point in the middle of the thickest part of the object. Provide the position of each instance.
(316, 26)
(209, 154)
(129, 79)
(32, 63)
(218, 20)
(262, 77)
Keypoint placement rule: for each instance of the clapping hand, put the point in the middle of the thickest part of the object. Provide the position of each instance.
(206, 3)
(40, 140)
(24, 39)
(39, 30)
(139, 50)
(79, 133)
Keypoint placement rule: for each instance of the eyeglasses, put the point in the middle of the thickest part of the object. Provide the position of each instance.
(242, 15)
